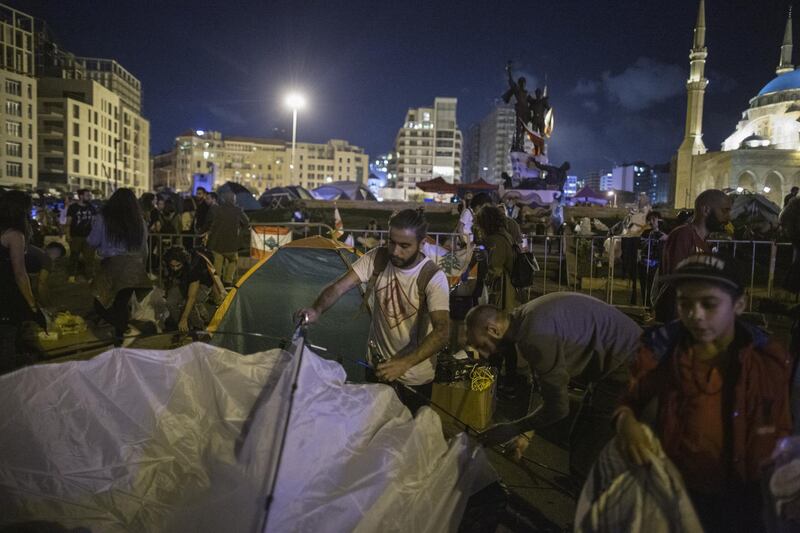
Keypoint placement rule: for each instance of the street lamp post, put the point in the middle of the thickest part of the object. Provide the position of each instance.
(294, 101)
(614, 194)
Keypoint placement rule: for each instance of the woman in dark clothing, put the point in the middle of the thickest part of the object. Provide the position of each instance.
(18, 303)
(119, 234)
(491, 226)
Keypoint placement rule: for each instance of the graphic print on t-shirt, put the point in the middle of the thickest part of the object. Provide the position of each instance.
(394, 304)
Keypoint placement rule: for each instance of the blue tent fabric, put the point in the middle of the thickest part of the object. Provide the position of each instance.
(289, 280)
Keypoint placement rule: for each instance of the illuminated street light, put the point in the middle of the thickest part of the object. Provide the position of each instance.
(614, 194)
(740, 189)
(767, 189)
(294, 101)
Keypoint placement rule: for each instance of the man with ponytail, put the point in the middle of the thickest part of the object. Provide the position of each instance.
(408, 298)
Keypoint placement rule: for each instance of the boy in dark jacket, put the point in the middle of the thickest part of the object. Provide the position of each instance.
(722, 392)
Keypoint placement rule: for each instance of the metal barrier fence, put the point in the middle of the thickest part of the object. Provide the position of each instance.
(565, 262)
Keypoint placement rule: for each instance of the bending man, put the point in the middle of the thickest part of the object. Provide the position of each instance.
(564, 337)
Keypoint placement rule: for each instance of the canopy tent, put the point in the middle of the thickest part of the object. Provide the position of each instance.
(286, 280)
(344, 190)
(244, 198)
(186, 441)
(587, 194)
(437, 186)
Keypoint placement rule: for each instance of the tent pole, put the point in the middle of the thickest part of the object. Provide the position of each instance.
(298, 341)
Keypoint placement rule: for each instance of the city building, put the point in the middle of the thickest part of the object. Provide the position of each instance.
(592, 180)
(496, 135)
(163, 170)
(762, 155)
(428, 145)
(663, 184)
(78, 132)
(606, 181)
(639, 177)
(18, 136)
(470, 167)
(91, 130)
(571, 186)
(260, 163)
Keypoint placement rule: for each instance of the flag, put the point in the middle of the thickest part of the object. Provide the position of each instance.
(338, 226)
(265, 239)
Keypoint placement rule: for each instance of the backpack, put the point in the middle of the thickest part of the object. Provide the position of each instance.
(524, 267)
(429, 269)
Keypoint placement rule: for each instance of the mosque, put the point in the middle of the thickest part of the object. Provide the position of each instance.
(763, 154)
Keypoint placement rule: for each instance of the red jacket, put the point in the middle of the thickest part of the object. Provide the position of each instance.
(760, 406)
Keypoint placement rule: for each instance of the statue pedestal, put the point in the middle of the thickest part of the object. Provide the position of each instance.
(523, 167)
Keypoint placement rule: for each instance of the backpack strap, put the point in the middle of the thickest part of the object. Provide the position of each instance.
(429, 269)
(378, 266)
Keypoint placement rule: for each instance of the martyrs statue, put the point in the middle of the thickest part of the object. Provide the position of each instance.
(521, 108)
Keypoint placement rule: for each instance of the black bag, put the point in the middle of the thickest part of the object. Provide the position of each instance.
(523, 270)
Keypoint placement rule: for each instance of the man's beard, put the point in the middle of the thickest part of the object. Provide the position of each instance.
(403, 264)
(713, 223)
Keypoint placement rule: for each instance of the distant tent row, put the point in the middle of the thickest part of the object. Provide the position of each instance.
(284, 196)
(338, 190)
(344, 190)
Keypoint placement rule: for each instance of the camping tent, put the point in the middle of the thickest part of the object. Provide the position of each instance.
(289, 279)
(244, 198)
(186, 441)
(343, 190)
(755, 206)
(284, 196)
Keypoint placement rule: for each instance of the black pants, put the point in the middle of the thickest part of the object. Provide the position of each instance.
(416, 397)
(118, 314)
(593, 426)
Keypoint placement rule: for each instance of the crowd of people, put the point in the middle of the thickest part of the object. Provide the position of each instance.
(119, 248)
(713, 389)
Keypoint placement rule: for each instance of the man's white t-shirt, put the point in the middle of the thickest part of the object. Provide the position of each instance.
(394, 303)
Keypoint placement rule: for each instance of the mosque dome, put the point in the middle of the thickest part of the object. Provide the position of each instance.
(784, 82)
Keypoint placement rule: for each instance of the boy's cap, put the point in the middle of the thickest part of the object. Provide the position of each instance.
(706, 267)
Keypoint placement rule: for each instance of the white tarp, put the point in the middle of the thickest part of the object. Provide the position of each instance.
(183, 440)
(620, 496)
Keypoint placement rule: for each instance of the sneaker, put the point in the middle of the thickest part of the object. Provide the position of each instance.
(71, 279)
(131, 335)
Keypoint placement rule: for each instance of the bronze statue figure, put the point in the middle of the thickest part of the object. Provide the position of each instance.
(539, 105)
(521, 108)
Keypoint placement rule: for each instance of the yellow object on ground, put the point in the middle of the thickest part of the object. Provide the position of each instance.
(474, 408)
(68, 324)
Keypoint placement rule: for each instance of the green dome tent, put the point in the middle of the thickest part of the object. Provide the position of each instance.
(288, 279)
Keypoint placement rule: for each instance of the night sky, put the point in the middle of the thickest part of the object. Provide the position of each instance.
(615, 70)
